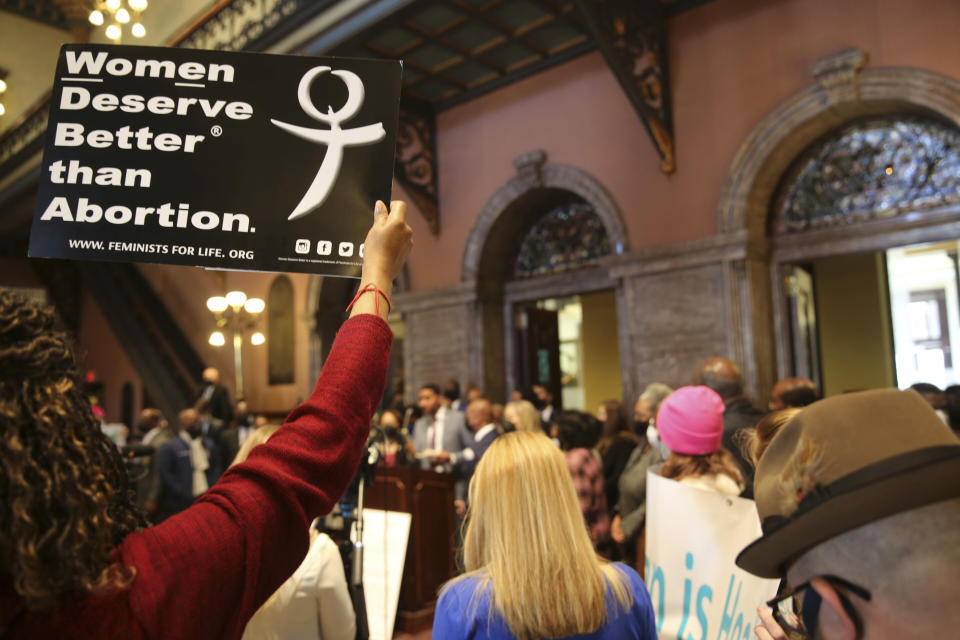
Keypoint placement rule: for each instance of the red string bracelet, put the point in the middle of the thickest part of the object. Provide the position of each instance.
(375, 289)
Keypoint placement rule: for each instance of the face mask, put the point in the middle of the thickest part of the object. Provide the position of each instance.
(194, 431)
(539, 404)
(640, 426)
(653, 437)
(509, 426)
(450, 395)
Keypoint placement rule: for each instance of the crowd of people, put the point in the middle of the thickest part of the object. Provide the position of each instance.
(858, 497)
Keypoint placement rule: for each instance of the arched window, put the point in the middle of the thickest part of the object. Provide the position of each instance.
(280, 360)
(569, 236)
(875, 168)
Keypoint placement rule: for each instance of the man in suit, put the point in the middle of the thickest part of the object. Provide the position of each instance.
(480, 420)
(232, 438)
(723, 376)
(221, 407)
(441, 432)
(187, 465)
(156, 433)
(543, 401)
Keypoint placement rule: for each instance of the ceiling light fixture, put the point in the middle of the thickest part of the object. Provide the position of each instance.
(115, 13)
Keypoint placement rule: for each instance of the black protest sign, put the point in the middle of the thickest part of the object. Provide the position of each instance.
(215, 159)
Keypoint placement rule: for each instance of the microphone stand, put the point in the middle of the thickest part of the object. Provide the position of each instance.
(364, 477)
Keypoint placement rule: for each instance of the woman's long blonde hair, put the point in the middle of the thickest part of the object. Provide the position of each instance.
(527, 542)
(528, 418)
(753, 442)
(258, 437)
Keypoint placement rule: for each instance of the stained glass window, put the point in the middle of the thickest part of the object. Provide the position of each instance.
(877, 168)
(569, 236)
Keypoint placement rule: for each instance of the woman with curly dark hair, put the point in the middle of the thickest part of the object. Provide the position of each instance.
(61, 473)
(75, 560)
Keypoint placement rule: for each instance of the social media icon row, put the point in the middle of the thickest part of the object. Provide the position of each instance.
(325, 248)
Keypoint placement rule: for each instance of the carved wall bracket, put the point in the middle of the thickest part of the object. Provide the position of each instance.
(839, 75)
(416, 163)
(632, 35)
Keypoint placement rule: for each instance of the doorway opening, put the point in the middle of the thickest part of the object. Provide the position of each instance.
(923, 282)
(880, 319)
(570, 345)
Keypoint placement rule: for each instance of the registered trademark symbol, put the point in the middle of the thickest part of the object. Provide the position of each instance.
(216, 130)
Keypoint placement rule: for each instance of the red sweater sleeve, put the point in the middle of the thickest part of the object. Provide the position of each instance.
(204, 572)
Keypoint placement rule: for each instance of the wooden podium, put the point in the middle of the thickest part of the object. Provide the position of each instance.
(430, 561)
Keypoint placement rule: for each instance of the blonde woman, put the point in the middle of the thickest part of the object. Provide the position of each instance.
(523, 416)
(531, 569)
(313, 604)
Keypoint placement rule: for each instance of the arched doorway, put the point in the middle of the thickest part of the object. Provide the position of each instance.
(801, 140)
(871, 317)
(536, 258)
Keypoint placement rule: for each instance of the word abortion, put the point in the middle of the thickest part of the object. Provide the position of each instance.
(164, 215)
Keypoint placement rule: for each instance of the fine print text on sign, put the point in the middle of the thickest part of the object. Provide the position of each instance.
(215, 159)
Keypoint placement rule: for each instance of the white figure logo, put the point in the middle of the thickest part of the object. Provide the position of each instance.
(335, 138)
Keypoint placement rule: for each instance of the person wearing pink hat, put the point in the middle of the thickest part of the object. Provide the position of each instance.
(690, 424)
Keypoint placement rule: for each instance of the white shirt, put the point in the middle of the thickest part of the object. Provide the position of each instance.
(435, 431)
(313, 604)
(546, 413)
(484, 430)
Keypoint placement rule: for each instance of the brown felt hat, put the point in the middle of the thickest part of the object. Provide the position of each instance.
(842, 463)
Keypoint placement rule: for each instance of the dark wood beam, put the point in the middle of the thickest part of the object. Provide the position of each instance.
(416, 161)
(632, 35)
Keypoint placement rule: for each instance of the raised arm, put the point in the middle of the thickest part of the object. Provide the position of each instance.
(203, 573)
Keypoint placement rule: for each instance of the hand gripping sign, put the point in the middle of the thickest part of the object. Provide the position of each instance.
(335, 138)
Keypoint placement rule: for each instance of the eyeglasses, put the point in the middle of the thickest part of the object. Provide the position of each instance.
(789, 609)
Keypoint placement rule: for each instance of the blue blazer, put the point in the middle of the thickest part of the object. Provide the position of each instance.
(463, 613)
(175, 469)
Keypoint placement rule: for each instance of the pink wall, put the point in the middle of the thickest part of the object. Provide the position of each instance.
(732, 62)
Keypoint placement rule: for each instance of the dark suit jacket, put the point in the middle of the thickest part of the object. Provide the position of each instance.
(464, 469)
(467, 467)
(175, 468)
(220, 405)
(176, 478)
(614, 460)
(740, 414)
(229, 443)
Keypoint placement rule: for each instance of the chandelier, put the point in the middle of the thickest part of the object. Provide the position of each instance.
(116, 13)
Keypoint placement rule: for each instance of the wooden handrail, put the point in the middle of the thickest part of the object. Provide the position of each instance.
(32, 111)
(199, 22)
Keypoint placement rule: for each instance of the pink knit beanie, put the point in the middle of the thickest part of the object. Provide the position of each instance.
(690, 421)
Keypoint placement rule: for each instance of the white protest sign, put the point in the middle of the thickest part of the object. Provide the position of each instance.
(692, 539)
(385, 535)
